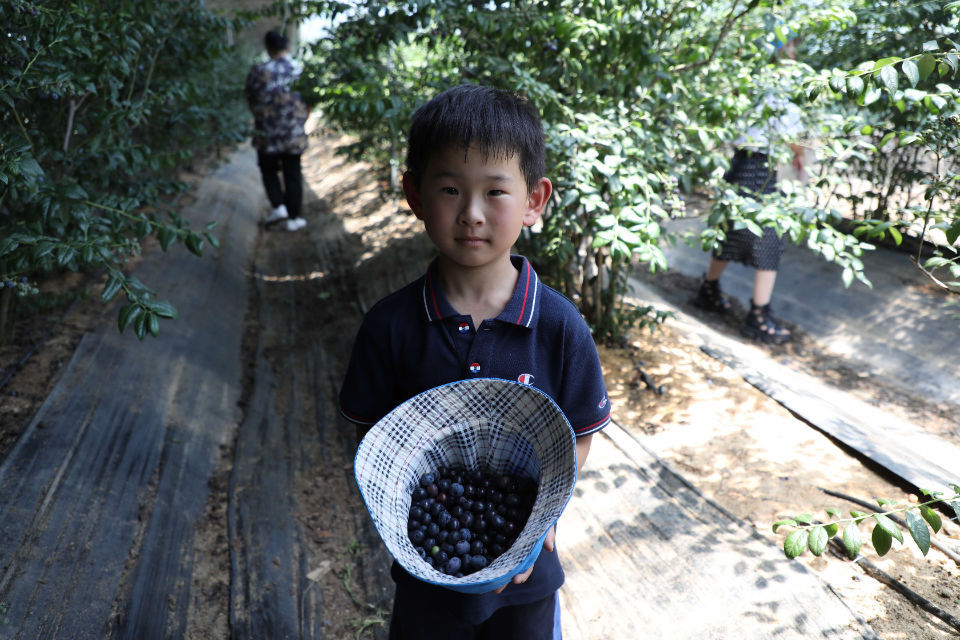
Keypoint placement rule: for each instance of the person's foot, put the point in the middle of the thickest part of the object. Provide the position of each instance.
(710, 298)
(295, 224)
(760, 325)
(277, 214)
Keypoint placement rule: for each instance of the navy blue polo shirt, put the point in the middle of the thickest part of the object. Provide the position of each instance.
(414, 340)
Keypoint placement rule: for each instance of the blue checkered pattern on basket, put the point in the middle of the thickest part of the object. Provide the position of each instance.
(482, 423)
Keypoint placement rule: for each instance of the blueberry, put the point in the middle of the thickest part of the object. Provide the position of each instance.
(441, 497)
(417, 536)
(497, 521)
(428, 502)
(453, 524)
(444, 485)
(436, 509)
(469, 490)
(478, 506)
(421, 552)
(511, 500)
(496, 549)
(452, 566)
(429, 561)
(443, 535)
(466, 520)
(457, 511)
(441, 558)
(413, 524)
(509, 528)
(462, 547)
(464, 534)
(419, 494)
(500, 538)
(456, 490)
(416, 513)
(433, 529)
(478, 562)
(429, 543)
(426, 519)
(426, 480)
(476, 547)
(454, 536)
(444, 519)
(447, 548)
(495, 497)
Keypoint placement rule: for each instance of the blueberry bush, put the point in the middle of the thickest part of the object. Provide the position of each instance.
(805, 533)
(640, 102)
(103, 104)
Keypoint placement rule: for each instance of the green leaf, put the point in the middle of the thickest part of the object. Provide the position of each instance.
(855, 86)
(781, 523)
(910, 69)
(817, 540)
(127, 313)
(113, 286)
(858, 516)
(163, 309)
(194, 244)
(919, 531)
(833, 512)
(805, 518)
(851, 540)
(832, 529)
(931, 45)
(889, 526)
(140, 325)
(154, 325)
(888, 77)
(166, 235)
(926, 65)
(796, 543)
(882, 540)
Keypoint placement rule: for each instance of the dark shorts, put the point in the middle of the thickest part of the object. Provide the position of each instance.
(751, 173)
(415, 620)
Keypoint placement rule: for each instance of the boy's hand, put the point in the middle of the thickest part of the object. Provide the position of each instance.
(520, 578)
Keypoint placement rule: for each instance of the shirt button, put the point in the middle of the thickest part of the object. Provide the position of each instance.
(475, 367)
(464, 327)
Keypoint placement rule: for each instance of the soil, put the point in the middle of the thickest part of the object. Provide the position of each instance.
(736, 445)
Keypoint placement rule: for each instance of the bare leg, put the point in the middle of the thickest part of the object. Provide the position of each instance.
(763, 282)
(717, 267)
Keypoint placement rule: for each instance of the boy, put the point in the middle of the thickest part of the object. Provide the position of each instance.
(476, 176)
(280, 139)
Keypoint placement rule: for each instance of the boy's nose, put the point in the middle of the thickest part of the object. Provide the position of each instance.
(471, 213)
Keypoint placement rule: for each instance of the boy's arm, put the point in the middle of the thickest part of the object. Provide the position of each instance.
(583, 450)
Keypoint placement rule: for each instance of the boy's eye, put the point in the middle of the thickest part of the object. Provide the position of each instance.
(496, 192)
(450, 191)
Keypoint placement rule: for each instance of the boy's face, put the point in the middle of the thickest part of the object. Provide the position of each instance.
(473, 208)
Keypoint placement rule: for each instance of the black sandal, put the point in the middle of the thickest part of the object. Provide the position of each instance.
(710, 298)
(760, 325)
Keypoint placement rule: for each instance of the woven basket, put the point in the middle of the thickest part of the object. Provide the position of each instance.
(499, 425)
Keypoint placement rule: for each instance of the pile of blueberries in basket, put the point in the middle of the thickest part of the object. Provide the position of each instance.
(460, 521)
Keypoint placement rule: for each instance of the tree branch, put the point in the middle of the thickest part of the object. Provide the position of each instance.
(728, 24)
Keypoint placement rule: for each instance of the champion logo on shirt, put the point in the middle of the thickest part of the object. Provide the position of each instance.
(603, 403)
(525, 378)
(475, 367)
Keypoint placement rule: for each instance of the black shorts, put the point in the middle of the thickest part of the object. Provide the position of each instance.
(415, 620)
(752, 174)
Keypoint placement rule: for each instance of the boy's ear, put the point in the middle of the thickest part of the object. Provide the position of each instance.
(537, 201)
(412, 193)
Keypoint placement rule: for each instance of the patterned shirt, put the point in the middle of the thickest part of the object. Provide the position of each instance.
(278, 112)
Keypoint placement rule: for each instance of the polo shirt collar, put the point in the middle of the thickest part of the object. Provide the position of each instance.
(522, 309)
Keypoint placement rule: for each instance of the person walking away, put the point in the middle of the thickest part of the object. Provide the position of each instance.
(751, 171)
(279, 135)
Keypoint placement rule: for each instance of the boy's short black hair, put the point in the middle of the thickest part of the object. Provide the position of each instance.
(275, 41)
(496, 122)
